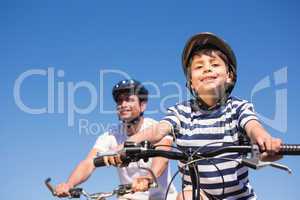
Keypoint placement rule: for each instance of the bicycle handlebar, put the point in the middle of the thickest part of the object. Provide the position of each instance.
(290, 149)
(135, 152)
(250, 156)
(78, 192)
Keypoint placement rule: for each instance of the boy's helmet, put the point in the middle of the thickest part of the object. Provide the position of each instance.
(130, 86)
(208, 40)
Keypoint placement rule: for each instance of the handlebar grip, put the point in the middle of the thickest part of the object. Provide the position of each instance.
(75, 192)
(99, 161)
(290, 149)
(49, 186)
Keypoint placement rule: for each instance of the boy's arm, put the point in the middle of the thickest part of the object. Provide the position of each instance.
(152, 134)
(267, 144)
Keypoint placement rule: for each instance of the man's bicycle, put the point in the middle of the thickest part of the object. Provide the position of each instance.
(249, 156)
(78, 192)
(121, 190)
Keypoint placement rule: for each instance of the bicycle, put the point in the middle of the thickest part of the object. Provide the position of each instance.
(123, 189)
(78, 192)
(133, 152)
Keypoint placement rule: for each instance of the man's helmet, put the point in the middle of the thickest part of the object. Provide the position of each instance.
(208, 40)
(130, 86)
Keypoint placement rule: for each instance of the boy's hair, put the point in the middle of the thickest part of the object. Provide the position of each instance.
(209, 52)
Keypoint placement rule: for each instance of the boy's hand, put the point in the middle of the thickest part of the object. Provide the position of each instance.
(271, 150)
(141, 183)
(267, 144)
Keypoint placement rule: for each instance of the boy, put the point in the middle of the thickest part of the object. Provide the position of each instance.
(211, 119)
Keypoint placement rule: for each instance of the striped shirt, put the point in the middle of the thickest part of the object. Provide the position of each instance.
(207, 130)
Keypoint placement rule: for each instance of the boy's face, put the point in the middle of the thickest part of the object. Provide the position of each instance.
(209, 75)
(129, 106)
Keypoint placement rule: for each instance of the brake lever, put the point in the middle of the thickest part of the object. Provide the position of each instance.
(76, 193)
(99, 196)
(122, 189)
(131, 151)
(255, 163)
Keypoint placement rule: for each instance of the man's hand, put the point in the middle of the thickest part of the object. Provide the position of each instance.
(141, 183)
(114, 160)
(62, 190)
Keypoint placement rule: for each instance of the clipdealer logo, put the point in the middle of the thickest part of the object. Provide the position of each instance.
(278, 84)
(50, 108)
(60, 92)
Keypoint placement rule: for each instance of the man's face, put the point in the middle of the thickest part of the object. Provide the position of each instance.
(129, 106)
(209, 75)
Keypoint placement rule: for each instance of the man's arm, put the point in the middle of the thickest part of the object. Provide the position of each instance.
(84, 169)
(81, 173)
(159, 164)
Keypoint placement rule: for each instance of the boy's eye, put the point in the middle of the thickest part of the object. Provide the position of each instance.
(215, 64)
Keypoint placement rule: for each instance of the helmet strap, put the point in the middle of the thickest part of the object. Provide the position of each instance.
(199, 103)
(134, 121)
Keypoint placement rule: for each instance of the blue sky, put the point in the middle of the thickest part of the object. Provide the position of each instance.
(80, 40)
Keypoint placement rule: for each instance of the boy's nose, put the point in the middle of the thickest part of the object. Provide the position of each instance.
(207, 68)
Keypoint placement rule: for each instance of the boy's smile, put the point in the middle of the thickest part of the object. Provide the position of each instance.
(209, 75)
(208, 78)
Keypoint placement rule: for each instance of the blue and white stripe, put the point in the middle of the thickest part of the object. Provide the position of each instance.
(218, 127)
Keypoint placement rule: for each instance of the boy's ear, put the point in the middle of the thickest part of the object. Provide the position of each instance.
(229, 78)
(190, 85)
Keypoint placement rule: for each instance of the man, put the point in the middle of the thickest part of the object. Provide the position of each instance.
(131, 99)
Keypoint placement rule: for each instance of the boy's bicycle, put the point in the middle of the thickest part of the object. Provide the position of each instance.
(133, 152)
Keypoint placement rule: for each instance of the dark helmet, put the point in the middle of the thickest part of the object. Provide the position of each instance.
(208, 40)
(130, 86)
